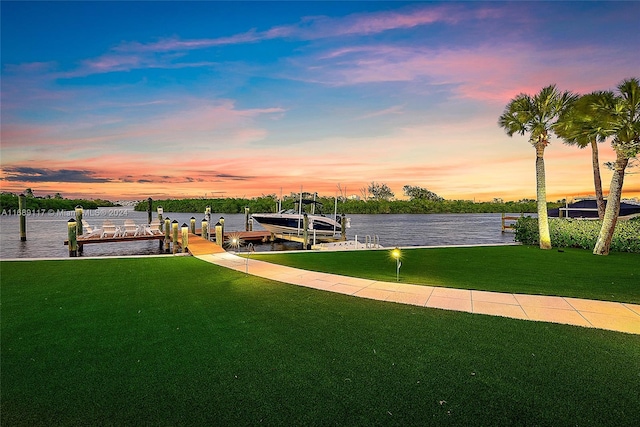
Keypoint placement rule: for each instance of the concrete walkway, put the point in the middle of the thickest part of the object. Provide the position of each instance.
(571, 311)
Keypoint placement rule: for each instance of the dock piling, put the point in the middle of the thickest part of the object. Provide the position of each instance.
(160, 226)
(193, 225)
(167, 232)
(72, 236)
(246, 218)
(185, 235)
(160, 212)
(205, 228)
(219, 234)
(149, 208)
(174, 229)
(79, 212)
(22, 212)
(79, 226)
(305, 231)
(343, 227)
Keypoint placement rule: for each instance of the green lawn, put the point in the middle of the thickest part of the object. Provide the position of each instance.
(177, 341)
(513, 269)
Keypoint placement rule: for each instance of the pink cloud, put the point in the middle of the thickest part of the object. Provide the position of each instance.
(494, 73)
(177, 44)
(195, 124)
(371, 23)
(30, 68)
(316, 27)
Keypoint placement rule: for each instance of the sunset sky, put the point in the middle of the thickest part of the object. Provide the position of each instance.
(129, 100)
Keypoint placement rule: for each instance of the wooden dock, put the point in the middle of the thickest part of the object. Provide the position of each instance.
(200, 246)
(197, 245)
(300, 238)
(260, 236)
(97, 239)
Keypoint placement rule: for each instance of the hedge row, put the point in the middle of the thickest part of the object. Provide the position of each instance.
(579, 233)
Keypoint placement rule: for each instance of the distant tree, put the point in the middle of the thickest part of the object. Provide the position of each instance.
(28, 192)
(380, 191)
(57, 196)
(537, 115)
(343, 192)
(364, 192)
(415, 192)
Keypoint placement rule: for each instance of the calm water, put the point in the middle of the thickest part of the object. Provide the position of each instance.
(46, 232)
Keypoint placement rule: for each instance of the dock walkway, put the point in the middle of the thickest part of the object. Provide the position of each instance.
(198, 246)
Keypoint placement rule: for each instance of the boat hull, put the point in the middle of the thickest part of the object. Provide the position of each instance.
(293, 224)
(587, 208)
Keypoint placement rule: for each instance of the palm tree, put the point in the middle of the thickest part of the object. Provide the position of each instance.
(624, 125)
(536, 115)
(584, 125)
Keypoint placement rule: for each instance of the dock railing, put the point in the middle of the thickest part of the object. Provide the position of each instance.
(509, 220)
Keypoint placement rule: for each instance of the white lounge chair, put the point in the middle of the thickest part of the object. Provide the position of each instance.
(153, 228)
(130, 228)
(109, 229)
(89, 231)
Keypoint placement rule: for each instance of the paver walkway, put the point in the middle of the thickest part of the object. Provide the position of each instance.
(572, 311)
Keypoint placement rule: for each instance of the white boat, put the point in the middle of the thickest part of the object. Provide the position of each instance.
(291, 221)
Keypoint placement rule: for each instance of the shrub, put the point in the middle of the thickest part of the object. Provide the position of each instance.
(579, 233)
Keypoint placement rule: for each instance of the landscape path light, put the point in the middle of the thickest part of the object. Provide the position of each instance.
(397, 254)
(250, 250)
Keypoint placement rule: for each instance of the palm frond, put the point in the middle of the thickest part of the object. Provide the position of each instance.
(584, 121)
(536, 114)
